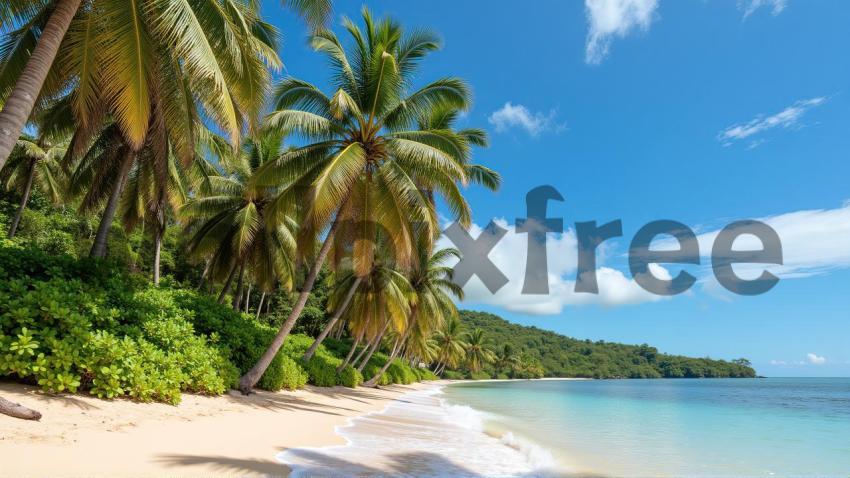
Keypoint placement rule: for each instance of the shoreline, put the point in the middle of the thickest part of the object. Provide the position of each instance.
(203, 436)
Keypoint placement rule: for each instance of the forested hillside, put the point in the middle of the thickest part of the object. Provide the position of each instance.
(562, 356)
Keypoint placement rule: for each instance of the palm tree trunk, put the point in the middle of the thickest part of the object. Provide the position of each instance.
(227, 283)
(204, 274)
(24, 200)
(21, 100)
(98, 249)
(157, 252)
(374, 346)
(247, 382)
(399, 344)
(248, 298)
(237, 299)
(362, 352)
(17, 410)
(260, 306)
(337, 314)
(350, 352)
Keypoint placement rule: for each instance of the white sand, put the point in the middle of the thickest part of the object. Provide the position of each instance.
(203, 436)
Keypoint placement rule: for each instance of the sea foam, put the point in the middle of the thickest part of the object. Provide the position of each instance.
(422, 435)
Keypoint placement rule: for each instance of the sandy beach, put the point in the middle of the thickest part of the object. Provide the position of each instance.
(229, 435)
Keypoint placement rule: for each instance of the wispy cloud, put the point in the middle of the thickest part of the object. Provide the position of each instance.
(607, 19)
(511, 116)
(814, 242)
(750, 6)
(787, 118)
(815, 359)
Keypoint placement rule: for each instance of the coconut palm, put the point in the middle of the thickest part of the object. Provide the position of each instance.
(111, 50)
(229, 221)
(450, 344)
(433, 303)
(152, 196)
(365, 160)
(34, 162)
(477, 353)
(506, 359)
(380, 306)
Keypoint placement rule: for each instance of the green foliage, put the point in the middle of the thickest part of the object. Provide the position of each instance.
(283, 373)
(479, 375)
(453, 375)
(545, 353)
(68, 325)
(350, 377)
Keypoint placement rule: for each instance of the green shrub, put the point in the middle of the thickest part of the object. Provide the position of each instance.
(425, 374)
(479, 375)
(371, 369)
(453, 375)
(502, 376)
(69, 325)
(401, 373)
(283, 373)
(350, 377)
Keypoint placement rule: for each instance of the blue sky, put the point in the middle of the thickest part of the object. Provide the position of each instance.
(698, 111)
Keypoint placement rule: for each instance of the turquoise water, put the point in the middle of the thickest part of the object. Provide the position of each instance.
(718, 427)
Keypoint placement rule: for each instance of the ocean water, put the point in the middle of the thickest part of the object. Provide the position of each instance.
(771, 427)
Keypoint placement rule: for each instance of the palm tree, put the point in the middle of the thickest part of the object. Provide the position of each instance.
(450, 345)
(338, 301)
(230, 223)
(365, 160)
(433, 291)
(151, 196)
(18, 103)
(477, 354)
(35, 162)
(506, 359)
(109, 50)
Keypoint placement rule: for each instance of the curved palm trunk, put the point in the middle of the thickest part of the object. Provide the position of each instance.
(24, 199)
(247, 382)
(157, 255)
(350, 352)
(237, 299)
(362, 352)
(248, 298)
(373, 382)
(204, 274)
(21, 100)
(337, 314)
(227, 283)
(17, 410)
(98, 249)
(260, 306)
(374, 346)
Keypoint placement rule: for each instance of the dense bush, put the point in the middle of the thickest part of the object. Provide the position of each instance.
(453, 375)
(479, 375)
(69, 325)
(350, 377)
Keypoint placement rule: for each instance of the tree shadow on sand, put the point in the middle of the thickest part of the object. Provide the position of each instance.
(315, 463)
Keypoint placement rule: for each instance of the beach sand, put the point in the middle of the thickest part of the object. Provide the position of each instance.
(229, 435)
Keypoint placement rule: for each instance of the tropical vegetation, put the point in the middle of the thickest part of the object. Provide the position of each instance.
(180, 221)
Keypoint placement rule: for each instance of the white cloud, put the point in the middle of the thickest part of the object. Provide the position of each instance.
(750, 6)
(509, 255)
(787, 118)
(511, 116)
(609, 18)
(814, 242)
(815, 359)
(778, 362)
